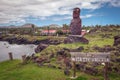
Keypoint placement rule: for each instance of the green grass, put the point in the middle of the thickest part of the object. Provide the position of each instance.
(72, 45)
(13, 70)
(51, 49)
(92, 42)
(31, 38)
(101, 42)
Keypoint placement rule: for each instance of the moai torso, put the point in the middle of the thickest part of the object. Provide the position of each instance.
(75, 26)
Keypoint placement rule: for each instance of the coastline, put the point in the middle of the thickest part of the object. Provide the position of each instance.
(22, 40)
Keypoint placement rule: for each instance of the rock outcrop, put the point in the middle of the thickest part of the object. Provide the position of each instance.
(106, 48)
(40, 47)
(21, 40)
(75, 39)
(116, 40)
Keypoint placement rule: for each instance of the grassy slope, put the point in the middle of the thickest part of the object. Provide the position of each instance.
(93, 41)
(31, 38)
(14, 70)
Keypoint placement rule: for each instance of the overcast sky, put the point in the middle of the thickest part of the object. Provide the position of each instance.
(46, 12)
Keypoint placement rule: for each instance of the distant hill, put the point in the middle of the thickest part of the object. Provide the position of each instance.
(51, 26)
(54, 26)
(11, 26)
(28, 25)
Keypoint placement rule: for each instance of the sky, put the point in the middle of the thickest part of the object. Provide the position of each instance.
(46, 12)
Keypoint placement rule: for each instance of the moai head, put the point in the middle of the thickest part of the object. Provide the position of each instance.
(76, 13)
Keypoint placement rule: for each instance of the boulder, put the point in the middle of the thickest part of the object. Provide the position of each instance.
(11, 40)
(66, 49)
(106, 48)
(40, 61)
(67, 72)
(51, 66)
(80, 66)
(67, 63)
(63, 53)
(116, 40)
(45, 41)
(91, 70)
(22, 41)
(59, 67)
(54, 42)
(115, 69)
(79, 49)
(40, 47)
(75, 39)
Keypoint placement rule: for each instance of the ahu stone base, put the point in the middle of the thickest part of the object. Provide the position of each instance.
(75, 39)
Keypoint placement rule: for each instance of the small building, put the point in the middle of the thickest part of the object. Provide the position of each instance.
(48, 32)
(65, 31)
(53, 32)
(84, 32)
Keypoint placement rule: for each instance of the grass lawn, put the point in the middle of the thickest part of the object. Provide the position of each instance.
(13, 70)
(31, 38)
(93, 41)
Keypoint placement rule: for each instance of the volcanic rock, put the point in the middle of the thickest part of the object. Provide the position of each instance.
(67, 72)
(75, 38)
(116, 40)
(40, 47)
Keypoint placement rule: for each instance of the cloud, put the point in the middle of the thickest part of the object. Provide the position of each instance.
(115, 3)
(70, 17)
(87, 16)
(19, 10)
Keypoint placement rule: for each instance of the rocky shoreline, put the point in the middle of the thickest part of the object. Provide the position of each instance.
(21, 40)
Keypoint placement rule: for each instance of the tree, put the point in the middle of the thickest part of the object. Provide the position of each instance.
(32, 29)
(48, 28)
(65, 26)
(59, 32)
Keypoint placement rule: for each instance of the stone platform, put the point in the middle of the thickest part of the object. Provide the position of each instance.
(75, 39)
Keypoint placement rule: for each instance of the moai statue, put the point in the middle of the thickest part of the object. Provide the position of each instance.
(75, 29)
(75, 26)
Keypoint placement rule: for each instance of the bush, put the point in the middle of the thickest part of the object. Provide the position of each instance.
(59, 32)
